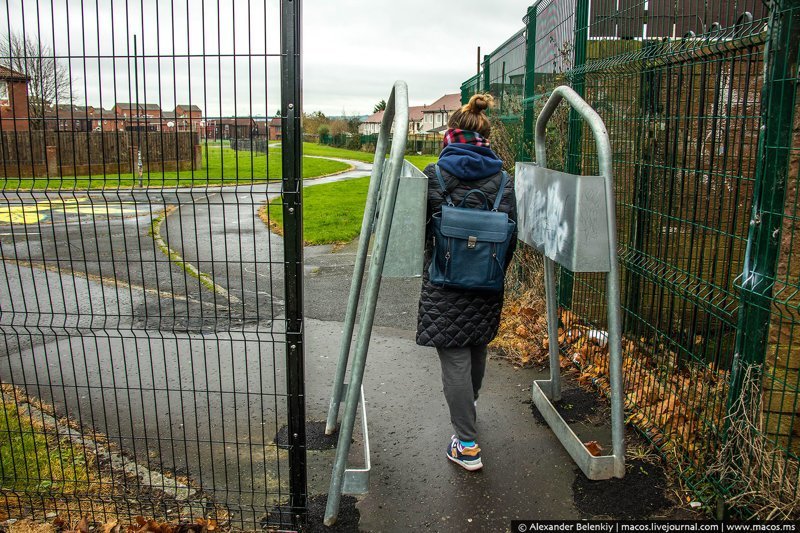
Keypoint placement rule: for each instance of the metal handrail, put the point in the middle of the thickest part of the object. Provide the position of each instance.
(385, 190)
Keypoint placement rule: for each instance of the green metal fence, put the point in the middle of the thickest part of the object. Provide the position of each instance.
(699, 100)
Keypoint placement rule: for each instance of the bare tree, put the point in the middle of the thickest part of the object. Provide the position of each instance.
(49, 80)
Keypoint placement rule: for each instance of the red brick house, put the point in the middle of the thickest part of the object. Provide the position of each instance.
(275, 129)
(188, 117)
(13, 100)
(68, 117)
(231, 128)
(147, 117)
(107, 120)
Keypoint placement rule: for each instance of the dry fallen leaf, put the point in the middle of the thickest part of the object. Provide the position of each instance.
(111, 527)
(83, 525)
(593, 447)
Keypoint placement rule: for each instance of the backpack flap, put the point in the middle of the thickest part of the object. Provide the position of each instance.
(474, 224)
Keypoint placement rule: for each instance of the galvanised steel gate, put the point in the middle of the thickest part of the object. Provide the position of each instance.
(152, 326)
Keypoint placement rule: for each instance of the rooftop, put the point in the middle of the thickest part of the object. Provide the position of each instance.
(8, 74)
(448, 102)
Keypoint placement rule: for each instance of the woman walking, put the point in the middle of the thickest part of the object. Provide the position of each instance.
(460, 323)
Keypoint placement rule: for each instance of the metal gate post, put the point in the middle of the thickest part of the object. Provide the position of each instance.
(487, 80)
(572, 220)
(641, 218)
(397, 114)
(530, 84)
(769, 195)
(292, 185)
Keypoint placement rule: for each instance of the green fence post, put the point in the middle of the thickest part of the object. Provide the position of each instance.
(640, 222)
(526, 149)
(769, 194)
(487, 59)
(573, 162)
(465, 93)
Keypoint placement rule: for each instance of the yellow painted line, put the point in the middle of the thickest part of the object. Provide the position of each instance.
(34, 213)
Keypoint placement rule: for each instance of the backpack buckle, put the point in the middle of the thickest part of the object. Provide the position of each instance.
(471, 242)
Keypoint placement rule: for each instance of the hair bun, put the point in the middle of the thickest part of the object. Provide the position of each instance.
(479, 103)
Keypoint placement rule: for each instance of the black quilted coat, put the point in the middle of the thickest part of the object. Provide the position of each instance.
(451, 318)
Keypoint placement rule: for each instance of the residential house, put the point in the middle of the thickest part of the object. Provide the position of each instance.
(13, 100)
(107, 120)
(188, 117)
(261, 126)
(231, 128)
(68, 117)
(371, 124)
(415, 118)
(168, 123)
(146, 117)
(438, 113)
(275, 129)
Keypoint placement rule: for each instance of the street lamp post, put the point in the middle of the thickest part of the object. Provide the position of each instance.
(138, 124)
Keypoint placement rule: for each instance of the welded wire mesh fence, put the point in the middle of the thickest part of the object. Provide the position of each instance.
(699, 101)
(151, 324)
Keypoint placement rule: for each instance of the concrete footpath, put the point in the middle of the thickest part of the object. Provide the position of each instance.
(527, 474)
(414, 487)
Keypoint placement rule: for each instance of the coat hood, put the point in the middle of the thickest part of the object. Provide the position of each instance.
(469, 162)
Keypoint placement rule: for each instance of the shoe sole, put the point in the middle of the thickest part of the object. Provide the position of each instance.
(464, 465)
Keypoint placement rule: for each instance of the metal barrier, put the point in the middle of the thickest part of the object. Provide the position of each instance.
(385, 183)
(571, 220)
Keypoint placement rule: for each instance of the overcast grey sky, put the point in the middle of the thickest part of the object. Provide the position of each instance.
(212, 52)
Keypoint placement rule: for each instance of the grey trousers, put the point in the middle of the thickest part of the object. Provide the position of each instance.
(462, 375)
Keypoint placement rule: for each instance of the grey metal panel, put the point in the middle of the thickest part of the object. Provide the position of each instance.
(564, 216)
(404, 255)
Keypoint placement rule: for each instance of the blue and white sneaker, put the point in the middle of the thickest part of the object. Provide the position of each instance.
(468, 457)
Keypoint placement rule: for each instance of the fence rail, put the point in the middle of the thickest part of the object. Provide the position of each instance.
(699, 99)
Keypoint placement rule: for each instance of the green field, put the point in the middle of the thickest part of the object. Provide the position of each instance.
(221, 165)
(35, 464)
(419, 161)
(332, 212)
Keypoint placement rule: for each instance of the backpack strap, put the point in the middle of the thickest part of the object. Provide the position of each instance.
(440, 179)
(500, 191)
(497, 200)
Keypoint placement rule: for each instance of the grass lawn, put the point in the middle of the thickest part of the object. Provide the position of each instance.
(332, 212)
(419, 161)
(422, 161)
(330, 151)
(220, 165)
(33, 463)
